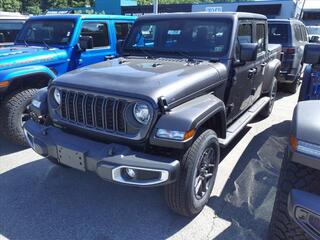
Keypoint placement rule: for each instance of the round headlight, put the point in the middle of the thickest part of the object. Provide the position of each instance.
(57, 96)
(141, 113)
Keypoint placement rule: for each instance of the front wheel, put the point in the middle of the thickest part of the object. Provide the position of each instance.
(292, 175)
(199, 165)
(267, 110)
(13, 114)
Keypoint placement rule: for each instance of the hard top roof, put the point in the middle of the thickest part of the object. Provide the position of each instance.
(285, 20)
(231, 15)
(83, 16)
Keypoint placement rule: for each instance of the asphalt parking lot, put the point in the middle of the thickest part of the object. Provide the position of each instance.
(41, 201)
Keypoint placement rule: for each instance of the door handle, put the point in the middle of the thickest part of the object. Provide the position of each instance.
(253, 71)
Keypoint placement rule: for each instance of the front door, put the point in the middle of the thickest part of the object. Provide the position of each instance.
(102, 43)
(261, 62)
(240, 97)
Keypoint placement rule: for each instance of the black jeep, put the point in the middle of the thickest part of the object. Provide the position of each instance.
(185, 85)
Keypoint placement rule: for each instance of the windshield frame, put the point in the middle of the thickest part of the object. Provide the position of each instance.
(18, 39)
(161, 52)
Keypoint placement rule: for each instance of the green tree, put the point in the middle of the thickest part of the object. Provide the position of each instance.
(10, 5)
(31, 6)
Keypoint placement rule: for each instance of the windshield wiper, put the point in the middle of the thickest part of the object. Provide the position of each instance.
(184, 55)
(144, 51)
(44, 42)
(26, 43)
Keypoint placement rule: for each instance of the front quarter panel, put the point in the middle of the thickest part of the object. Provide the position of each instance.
(188, 116)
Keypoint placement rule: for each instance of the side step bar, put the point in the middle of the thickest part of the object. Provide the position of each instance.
(241, 122)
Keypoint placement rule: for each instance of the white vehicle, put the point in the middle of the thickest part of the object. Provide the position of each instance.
(10, 25)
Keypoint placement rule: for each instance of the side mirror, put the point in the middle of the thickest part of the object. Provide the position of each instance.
(85, 42)
(314, 39)
(248, 52)
(2, 39)
(119, 46)
(311, 53)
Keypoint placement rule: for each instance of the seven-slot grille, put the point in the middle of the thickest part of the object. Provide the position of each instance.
(101, 112)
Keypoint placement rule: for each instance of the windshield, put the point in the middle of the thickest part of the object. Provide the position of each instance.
(195, 38)
(278, 33)
(46, 32)
(9, 30)
(313, 30)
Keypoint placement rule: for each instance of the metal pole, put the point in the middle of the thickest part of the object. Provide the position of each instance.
(302, 10)
(155, 6)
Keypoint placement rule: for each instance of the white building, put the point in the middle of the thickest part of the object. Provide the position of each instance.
(270, 8)
(311, 13)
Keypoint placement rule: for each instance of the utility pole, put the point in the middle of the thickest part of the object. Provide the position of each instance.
(155, 6)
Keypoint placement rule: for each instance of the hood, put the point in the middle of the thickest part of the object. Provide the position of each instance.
(146, 78)
(306, 121)
(14, 56)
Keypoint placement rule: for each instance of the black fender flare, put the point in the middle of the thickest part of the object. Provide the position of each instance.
(190, 115)
(272, 70)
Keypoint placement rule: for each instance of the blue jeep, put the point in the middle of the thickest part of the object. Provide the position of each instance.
(46, 47)
(296, 212)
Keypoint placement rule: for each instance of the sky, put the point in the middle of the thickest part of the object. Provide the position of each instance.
(312, 4)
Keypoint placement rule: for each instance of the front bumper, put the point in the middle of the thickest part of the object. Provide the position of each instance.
(109, 161)
(304, 209)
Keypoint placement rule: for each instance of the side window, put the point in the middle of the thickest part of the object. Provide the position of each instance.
(99, 33)
(245, 33)
(297, 33)
(244, 36)
(304, 33)
(122, 30)
(261, 37)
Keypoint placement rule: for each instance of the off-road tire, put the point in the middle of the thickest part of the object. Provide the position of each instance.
(180, 195)
(296, 176)
(10, 115)
(267, 110)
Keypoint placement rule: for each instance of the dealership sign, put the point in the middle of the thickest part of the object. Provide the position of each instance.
(213, 9)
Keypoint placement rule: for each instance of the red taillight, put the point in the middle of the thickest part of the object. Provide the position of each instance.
(289, 50)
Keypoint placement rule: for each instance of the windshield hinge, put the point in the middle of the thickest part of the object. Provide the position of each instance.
(163, 104)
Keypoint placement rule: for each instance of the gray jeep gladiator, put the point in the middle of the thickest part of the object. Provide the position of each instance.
(185, 85)
(296, 212)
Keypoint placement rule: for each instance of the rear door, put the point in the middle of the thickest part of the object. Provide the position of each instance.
(240, 93)
(103, 43)
(261, 62)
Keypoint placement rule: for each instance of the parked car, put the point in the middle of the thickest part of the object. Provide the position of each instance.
(314, 34)
(296, 212)
(10, 25)
(292, 35)
(46, 47)
(186, 85)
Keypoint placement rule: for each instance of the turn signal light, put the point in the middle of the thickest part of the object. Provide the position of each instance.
(189, 134)
(293, 142)
(4, 84)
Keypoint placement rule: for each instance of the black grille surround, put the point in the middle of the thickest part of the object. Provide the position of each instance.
(97, 112)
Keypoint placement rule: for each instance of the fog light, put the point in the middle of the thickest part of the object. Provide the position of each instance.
(131, 172)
